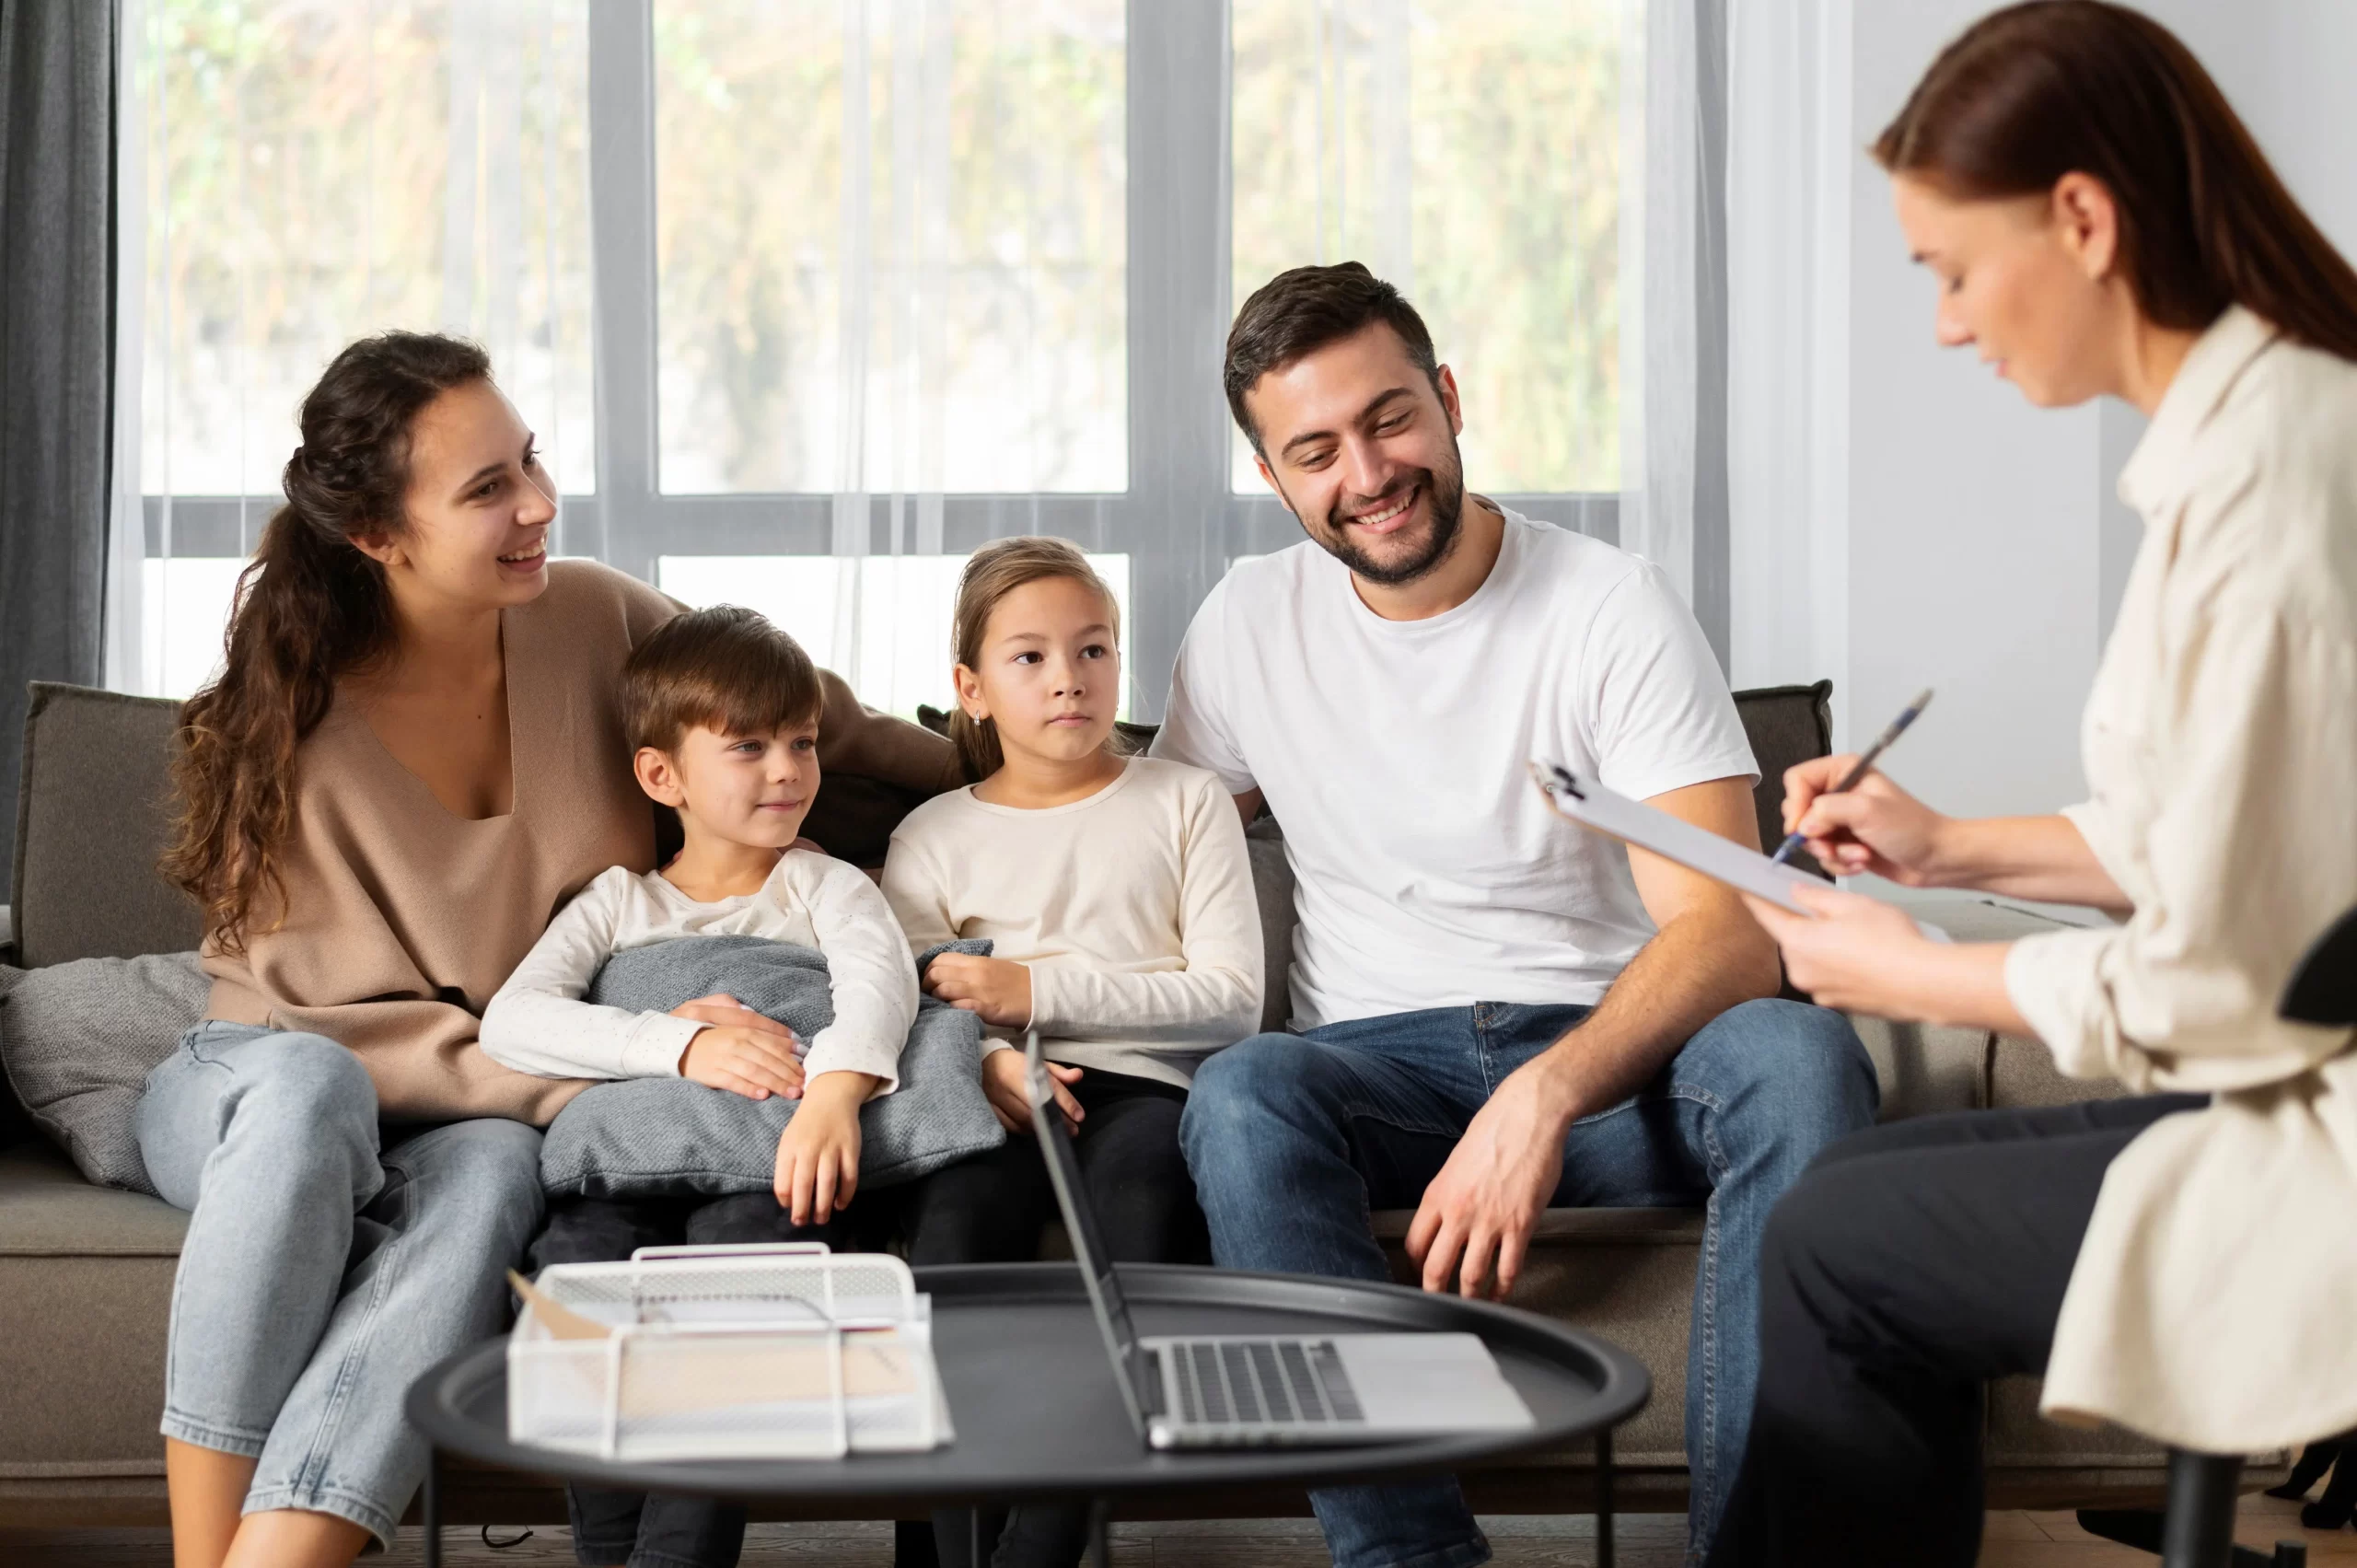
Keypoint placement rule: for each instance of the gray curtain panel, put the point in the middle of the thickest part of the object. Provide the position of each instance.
(56, 352)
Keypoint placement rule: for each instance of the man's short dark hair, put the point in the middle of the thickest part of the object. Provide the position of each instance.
(1300, 311)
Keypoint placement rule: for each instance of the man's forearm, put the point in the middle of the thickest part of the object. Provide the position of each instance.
(1698, 966)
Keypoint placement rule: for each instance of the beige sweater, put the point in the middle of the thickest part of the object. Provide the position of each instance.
(401, 921)
(2211, 1304)
(1133, 910)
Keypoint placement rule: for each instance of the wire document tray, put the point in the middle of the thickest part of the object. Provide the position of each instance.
(772, 1351)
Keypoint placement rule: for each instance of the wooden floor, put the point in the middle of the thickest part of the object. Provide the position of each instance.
(1646, 1540)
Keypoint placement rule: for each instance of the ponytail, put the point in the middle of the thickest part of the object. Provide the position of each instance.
(309, 608)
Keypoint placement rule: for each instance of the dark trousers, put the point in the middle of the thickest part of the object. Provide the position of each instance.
(1910, 1265)
(653, 1530)
(991, 1209)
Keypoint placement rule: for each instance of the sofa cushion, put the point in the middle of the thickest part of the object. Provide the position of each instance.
(1787, 725)
(86, 1284)
(92, 814)
(78, 1040)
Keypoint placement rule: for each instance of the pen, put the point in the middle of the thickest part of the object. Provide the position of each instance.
(1906, 715)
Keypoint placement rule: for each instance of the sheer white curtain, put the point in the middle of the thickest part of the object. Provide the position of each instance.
(1495, 162)
(295, 175)
(1794, 159)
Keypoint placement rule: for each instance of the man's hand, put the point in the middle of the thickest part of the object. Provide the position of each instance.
(1004, 1085)
(818, 1158)
(997, 989)
(1476, 1218)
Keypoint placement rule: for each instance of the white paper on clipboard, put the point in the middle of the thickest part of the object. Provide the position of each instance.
(1582, 799)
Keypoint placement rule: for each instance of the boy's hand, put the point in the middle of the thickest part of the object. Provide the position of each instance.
(818, 1158)
(1003, 1086)
(753, 1062)
(996, 988)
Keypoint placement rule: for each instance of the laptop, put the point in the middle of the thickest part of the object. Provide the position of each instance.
(1245, 1391)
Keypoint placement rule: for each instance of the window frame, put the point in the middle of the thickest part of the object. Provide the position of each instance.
(1179, 522)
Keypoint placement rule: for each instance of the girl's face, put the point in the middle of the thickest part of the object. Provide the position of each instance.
(1050, 672)
(479, 507)
(2028, 280)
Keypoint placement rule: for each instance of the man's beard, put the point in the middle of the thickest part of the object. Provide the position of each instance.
(1443, 488)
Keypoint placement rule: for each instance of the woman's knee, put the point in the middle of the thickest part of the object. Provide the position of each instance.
(309, 1080)
(480, 1177)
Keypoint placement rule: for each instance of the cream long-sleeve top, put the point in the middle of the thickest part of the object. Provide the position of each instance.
(400, 921)
(2210, 1305)
(1133, 909)
(538, 1022)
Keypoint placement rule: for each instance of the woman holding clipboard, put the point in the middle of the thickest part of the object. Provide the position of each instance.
(2175, 1262)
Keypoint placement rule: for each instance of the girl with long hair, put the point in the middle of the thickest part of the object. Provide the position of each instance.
(1117, 897)
(411, 756)
(2101, 223)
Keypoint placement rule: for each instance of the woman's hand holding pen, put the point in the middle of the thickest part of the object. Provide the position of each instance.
(1875, 828)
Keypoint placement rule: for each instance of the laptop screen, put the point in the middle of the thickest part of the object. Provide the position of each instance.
(1087, 1246)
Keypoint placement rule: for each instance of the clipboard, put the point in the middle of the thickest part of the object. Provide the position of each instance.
(1582, 799)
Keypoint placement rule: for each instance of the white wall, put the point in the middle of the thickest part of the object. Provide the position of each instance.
(1985, 550)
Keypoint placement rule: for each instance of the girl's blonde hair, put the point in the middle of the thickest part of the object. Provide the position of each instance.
(991, 573)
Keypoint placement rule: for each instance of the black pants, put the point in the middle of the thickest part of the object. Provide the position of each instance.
(653, 1530)
(991, 1209)
(1910, 1265)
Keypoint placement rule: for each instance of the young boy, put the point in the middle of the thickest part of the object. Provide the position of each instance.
(722, 710)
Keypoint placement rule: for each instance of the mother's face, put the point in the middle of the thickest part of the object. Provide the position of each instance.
(475, 534)
(2029, 281)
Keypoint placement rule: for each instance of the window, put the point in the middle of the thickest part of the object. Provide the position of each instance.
(1493, 203)
(866, 284)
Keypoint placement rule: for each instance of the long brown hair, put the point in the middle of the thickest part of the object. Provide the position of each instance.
(991, 573)
(309, 608)
(2036, 91)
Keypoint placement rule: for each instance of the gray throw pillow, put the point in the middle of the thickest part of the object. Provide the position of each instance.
(79, 1039)
(645, 1137)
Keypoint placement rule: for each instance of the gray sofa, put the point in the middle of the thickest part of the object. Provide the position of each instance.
(86, 1273)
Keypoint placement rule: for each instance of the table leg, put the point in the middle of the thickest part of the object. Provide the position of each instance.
(433, 1508)
(1604, 1500)
(1101, 1533)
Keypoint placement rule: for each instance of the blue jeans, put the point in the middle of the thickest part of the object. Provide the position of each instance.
(1294, 1138)
(322, 1273)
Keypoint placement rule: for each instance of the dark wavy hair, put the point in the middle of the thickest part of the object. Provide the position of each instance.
(2036, 91)
(309, 608)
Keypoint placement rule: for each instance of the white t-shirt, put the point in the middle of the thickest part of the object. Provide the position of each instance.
(538, 1022)
(1394, 754)
(1133, 909)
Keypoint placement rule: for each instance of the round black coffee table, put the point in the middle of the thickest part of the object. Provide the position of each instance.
(1039, 1415)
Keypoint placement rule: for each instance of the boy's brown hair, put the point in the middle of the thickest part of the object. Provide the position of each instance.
(724, 668)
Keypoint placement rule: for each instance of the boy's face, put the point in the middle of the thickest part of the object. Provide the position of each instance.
(747, 789)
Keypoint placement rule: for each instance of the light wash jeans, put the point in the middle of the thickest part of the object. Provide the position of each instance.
(1293, 1138)
(323, 1274)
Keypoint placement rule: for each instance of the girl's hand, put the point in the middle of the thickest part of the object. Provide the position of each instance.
(1003, 1087)
(818, 1156)
(1876, 828)
(998, 989)
(1850, 952)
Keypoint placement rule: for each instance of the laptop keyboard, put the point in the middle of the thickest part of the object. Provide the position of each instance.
(1260, 1382)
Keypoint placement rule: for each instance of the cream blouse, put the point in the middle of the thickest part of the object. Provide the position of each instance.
(2214, 1297)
